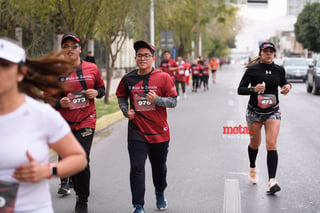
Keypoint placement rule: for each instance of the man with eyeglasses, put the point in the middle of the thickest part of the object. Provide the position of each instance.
(76, 104)
(149, 92)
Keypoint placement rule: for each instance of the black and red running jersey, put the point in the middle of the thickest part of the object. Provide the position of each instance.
(205, 70)
(195, 69)
(83, 116)
(150, 119)
(165, 65)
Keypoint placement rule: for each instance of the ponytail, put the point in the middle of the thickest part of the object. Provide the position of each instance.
(253, 61)
(43, 76)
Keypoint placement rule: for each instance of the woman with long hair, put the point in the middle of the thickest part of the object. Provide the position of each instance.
(29, 128)
(261, 81)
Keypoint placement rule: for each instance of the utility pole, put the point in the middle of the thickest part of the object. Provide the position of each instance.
(152, 25)
(152, 22)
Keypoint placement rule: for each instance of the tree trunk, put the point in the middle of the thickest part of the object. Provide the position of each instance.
(108, 76)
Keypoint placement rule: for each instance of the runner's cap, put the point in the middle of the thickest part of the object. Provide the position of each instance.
(268, 44)
(70, 36)
(11, 52)
(143, 44)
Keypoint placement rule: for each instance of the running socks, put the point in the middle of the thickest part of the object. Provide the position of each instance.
(272, 163)
(252, 156)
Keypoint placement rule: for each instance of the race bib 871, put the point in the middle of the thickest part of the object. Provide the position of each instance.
(266, 100)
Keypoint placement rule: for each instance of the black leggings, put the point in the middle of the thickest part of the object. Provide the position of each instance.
(205, 80)
(138, 152)
(195, 81)
(81, 180)
(183, 86)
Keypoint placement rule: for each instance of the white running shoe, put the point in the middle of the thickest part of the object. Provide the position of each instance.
(253, 175)
(273, 187)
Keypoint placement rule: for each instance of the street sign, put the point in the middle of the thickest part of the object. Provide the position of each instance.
(174, 53)
(166, 39)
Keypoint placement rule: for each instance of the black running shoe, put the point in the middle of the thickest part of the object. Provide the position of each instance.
(81, 207)
(64, 189)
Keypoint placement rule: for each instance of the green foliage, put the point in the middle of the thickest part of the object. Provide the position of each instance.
(190, 18)
(103, 109)
(307, 27)
(78, 16)
(106, 20)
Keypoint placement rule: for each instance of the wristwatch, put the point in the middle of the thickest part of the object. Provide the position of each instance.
(53, 170)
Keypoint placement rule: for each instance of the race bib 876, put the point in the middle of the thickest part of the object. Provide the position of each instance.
(142, 104)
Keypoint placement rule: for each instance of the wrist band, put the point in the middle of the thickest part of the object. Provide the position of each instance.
(53, 170)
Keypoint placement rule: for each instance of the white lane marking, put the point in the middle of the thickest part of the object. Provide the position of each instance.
(232, 199)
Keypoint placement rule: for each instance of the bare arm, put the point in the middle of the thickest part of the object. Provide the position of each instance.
(73, 161)
(72, 154)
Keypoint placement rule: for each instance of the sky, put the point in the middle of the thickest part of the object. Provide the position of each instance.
(260, 23)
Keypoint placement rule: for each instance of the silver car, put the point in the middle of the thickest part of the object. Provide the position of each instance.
(296, 68)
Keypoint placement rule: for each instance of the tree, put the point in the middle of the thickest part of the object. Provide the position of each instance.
(307, 27)
(34, 19)
(113, 27)
(221, 32)
(78, 17)
(188, 19)
(41, 20)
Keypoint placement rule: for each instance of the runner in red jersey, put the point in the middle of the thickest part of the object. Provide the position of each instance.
(150, 92)
(188, 74)
(168, 65)
(205, 76)
(181, 77)
(76, 105)
(195, 71)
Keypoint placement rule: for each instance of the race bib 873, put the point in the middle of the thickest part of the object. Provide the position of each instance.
(78, 100)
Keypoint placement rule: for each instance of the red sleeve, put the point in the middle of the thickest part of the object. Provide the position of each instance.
(160, 66)
(174, 63)
(99, 80)
(169, 87)
(92, 69)
(121, 90)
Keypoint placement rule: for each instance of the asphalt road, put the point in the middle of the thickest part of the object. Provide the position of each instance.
(207, 170)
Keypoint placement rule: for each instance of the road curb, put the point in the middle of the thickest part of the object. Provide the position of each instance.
(108, 120)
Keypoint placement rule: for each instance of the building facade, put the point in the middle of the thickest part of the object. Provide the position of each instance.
(294, 7)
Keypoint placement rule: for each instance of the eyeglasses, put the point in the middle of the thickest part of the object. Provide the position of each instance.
(145, 56)
(74, 46)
